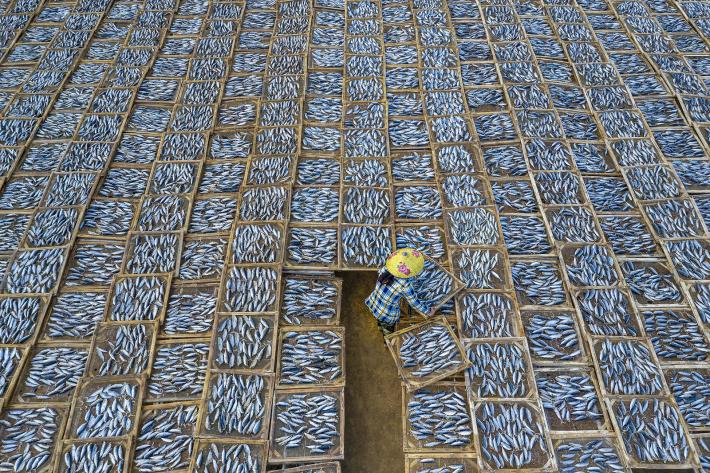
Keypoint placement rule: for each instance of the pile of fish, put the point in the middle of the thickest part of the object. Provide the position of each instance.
(428, 350)
(237, 405)
(439, 419)
(243, 342)
(309, 301)
(311, 357)
(240, 457)
(307, 424)
(165, 439)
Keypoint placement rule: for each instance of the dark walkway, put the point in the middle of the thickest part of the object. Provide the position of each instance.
(373, 394)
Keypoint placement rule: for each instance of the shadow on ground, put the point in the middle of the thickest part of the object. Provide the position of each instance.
(373, 393)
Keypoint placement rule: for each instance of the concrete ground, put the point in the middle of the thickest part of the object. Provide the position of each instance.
(373, 393)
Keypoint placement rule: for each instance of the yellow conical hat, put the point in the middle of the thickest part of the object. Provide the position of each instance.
(405, 263)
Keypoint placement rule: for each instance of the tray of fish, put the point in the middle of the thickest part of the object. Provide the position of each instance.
(702, 446)
(608, 312)
(22, 317)
(628, 235)
(412, 166)
(264, 203)
(476, 226)
(136, 298)
(429, 239)
(651, 282)
(691, 258)
(12, 229)
(307, 425)
(74, 315)
(178, 371)
(94, 455)
(320, 467)
(166, 438)
(590, 453)
(437, 418)
(437, 286)
(52, 227)
(364, 246)
(318, 171)
(511, 436)
(310, 300)
(654, 182)
(35, 271)
(50, 373)
(69, 189)
(237, 405)
(365, 205)
(590, 265)
(676, 335)
(150, 253)
(257, 243)
(487, 315)
(481, 268)
(417, 203)
(221, 177)
(270, 170)
(627, 366)
(213, 214)
(319, 109)
(559, 188)
(23, 192)
(499, 369)
(553, 336)
(700, 299)
(250, 289)
(538, 283)
(310, 246)
(464, 190)
(202, 258)
(440, 463)
(29, 438)
(315, 204)
(675, 218)
(11, 361)
(653, 433)
(549, 155)
(690, 387)
(174, 178)
(121, 349)
(575, 224)
(571, 400)
(231, 146)
(245, 342)
(108, 218)
(311, 356)
(105, 408)
(426, 353)
(366, 173)
(217, 456)
(525, 235)
(124, 182)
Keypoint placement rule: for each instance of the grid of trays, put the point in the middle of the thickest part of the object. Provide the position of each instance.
(171, 170)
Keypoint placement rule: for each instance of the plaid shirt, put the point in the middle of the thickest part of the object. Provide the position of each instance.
(384, 300)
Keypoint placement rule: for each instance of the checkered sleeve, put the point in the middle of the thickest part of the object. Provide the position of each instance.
(414, 301)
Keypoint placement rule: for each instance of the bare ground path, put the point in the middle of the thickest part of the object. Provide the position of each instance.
(373, 395)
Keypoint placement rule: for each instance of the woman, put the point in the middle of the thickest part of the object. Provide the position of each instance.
(393, 282)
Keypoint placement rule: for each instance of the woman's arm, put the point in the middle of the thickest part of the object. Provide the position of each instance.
(422, 306)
